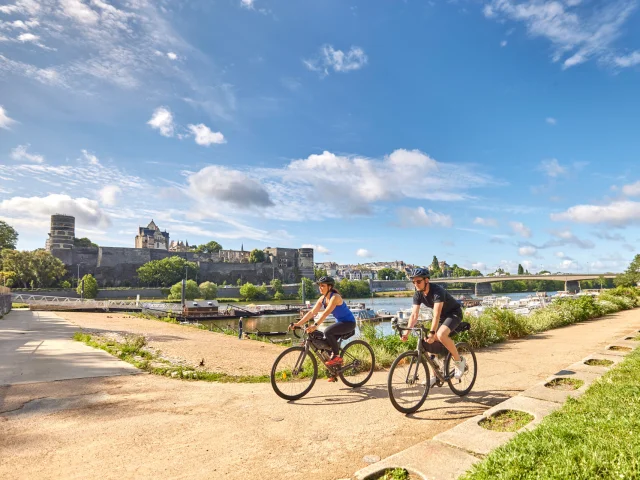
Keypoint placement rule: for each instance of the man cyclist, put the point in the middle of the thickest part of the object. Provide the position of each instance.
(444, 307)
(332, 302)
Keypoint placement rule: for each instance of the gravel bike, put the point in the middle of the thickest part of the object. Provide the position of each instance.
(409, 379)
(296, 369)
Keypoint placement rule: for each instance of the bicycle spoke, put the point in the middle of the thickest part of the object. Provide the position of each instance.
(293, 373)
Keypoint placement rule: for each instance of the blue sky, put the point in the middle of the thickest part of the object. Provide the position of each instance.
(488, 133)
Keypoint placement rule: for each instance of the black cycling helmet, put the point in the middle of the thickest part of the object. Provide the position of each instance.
(327, 280)
(420, 272)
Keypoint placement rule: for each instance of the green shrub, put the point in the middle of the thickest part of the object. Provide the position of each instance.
(65, 284)
(88, 286)
(279, 296)
(509, 325)
(208, 290)
(191, 291)
(484, 330)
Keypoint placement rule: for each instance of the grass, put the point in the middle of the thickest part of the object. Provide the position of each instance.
(565, 384)
(616, 348)
(394, 474)
(400, 293)
(595, 436)
(132, 351)
(599, 362)
(19, 305)
(506, 421)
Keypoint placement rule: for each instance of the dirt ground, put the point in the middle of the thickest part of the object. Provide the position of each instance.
(149, 426)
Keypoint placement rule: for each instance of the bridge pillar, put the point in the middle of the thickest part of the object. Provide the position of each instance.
(572, 286)
(483, 289)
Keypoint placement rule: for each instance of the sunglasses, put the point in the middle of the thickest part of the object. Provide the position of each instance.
(417, 282)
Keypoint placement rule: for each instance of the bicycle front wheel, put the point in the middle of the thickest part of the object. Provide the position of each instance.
(293, 373)
(358, 363)
(462, 386)
(408, 382)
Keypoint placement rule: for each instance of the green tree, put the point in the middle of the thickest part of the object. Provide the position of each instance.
(47, 270)
(19, 264)
(386, 274)
(256, 256)
(631, 276)
(208, 290)
(191, 291)
(8, 236)
(83, 242)
(401, 275)
(65, 284)
(167, 271)
(276, 284)
(520, 270)
(475, 273)
(88, 286)
(209, 247)
(310, 289)
(249, 292)
(319, 272)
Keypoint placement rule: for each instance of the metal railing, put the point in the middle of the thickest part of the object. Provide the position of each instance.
(74, 303)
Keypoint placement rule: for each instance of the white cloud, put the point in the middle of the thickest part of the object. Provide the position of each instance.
(520, 229)
(162, 120)
(630, 60)
(247, 4)
(336, 60)
(20, 153)
(528, 251)
(527, 264)
(86, 211)
(108, 194)
(552, 168)
(566, 237)
(364, 253)
(486, 222)
(618, 214)
(632, 189)
(204, 135)
(318, 248)
(28, 37)
(172, 56)
(551, 121)
(90, 157)
(578, 33)
(418, 217)
(226, 185)
(79, 12)
(5, 121)
(479, 266)
(503, 43)
(568, 266)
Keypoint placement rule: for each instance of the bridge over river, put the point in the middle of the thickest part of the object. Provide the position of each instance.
(482, 285)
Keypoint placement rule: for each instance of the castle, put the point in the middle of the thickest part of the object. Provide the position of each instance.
(117, 266)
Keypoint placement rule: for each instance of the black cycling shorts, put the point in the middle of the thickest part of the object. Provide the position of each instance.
(452, 320)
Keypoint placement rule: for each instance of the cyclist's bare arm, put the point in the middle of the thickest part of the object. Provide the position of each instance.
(413, 319)
(437, 311)
(333, 303)
(310, 314)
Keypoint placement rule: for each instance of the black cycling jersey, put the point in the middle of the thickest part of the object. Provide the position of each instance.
(437, 294)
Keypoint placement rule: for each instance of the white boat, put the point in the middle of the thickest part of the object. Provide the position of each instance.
(489, 300)
(475, 311)
(534, 303)
(502, 302)
(425, 315)
(522, 311)
(330, 318)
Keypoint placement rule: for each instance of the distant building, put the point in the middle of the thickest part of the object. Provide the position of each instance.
(151, 237)
(178, 246)
(62, 232)
(235, 256)
(446, 270)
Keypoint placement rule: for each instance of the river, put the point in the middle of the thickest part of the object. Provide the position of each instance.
(279, 323)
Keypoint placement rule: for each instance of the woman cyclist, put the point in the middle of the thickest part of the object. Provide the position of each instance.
(447, 315)
(332, 302)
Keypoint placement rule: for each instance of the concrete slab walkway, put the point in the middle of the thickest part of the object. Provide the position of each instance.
(39, 347)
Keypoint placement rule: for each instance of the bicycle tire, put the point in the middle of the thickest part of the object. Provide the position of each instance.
(344, 354)
(414, 360)
(465, 350)
(274, 384)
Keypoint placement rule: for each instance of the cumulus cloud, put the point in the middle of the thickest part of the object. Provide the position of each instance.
(204, 136)
(552, 168)
(577, 32)
(418, 217)
(528, 251)
(520, 229)
(364, 253)
(562, 255)
(486, 222)
(90, 157)
(632, 190)
(336, 60)
(20, 154)
(618, 214)
(630, 60)
(247, 4)
(28, 37)
(568, 266)
(551, 121)
(86, 211)
(527, 264)
(162, 120)
(5, 121)
(108, 195)
(172, 56)
(230, 186)
(479, 266)
(566, 237)
(318, 249)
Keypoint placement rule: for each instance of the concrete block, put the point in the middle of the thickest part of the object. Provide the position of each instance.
(624, 344)
(631, 342)
(472, 437)
(542, 392)
(583, 367)
(429, 460)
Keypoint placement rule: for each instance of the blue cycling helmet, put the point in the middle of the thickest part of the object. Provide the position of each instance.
(420, 272)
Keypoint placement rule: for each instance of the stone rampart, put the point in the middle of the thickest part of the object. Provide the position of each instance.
(390, 285)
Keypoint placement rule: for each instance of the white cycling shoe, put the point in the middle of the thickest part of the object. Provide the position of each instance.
(459, 368)
(432, 381)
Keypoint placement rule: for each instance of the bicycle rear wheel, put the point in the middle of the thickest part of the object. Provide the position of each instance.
(463, 385)
(293, 373)
(359, 361)
(408, 382)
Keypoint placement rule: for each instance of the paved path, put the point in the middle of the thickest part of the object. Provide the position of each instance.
(149, 426)
(38, 347)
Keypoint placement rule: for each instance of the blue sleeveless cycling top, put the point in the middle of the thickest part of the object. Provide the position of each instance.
(341, 312)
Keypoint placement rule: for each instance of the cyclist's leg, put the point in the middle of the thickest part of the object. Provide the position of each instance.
(450, 323)
(338, 328)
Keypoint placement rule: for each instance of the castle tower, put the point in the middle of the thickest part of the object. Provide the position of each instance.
(62, 233)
